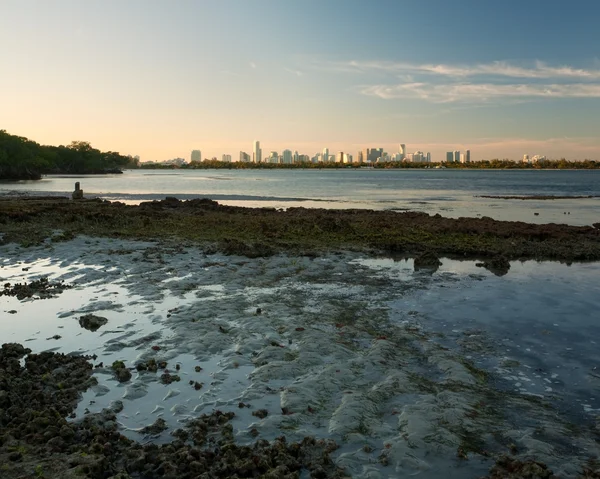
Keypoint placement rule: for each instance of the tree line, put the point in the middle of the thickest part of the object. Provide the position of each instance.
(561, 164)
(24, 159)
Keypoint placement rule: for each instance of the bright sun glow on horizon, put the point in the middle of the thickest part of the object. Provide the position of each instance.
(158, 79)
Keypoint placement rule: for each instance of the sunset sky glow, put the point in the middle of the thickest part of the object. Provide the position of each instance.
(158, 79)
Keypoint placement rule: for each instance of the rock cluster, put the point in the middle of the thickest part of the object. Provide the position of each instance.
(41, 288)
(36, 440)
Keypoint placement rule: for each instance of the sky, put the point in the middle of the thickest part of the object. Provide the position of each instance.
(161, 78)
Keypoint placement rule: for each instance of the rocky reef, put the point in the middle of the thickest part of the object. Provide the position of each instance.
(37, 440)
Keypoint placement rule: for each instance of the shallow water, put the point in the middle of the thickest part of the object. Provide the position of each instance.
(451, 193)
(363, 350)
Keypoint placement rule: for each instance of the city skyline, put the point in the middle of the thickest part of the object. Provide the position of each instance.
(367, 155)
(151, 79)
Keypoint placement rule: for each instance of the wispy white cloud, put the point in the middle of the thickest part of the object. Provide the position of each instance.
(298, 73)
(538, 70)
(480, 92)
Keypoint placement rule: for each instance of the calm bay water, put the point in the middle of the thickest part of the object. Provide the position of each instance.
(451, 193)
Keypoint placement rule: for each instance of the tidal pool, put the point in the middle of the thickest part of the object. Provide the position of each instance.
(410, 372)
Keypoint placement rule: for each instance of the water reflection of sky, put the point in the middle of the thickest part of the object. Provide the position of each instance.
(450, 193)
(541, 318)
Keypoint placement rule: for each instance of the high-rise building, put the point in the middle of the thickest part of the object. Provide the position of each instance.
(244, 157)
(468, 156)
(457, 156)
(257, 154)
(360, 157)
(226, 158)
(303, 158)
(295, 158)
(339, 157)
(417, 157)
(371, 155)
(274, 157)
(402, 150)
(287, 157)
(462, 158)
(449, 157)
(196, 155)
(325, 154)
(428, 157)
(526, 159)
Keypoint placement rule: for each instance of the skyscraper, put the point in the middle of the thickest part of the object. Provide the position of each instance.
(244, 157)
(257, 154)
(449, 157)
(360, 157)
(325, 155)
(196, 155)
(468, 156)
(287, 156)
(295, 157)
(402, 150)
(370, 155)
(226, 158)
(457, 156)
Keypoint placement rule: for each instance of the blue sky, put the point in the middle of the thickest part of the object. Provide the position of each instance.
(159, 78)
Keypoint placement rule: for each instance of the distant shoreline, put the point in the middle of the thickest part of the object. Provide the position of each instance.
(552, 166)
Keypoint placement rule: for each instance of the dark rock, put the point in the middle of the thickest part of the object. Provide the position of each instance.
(92, 322)
(15, 456)
(123, 375)
(427, 261)
(260, 413)
(156, 428)
(498, 265)
(509, 468)
(167, 378)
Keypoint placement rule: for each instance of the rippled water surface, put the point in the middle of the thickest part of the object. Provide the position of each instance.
(448, 192)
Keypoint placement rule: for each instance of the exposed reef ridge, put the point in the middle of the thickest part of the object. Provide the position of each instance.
(256, 232)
